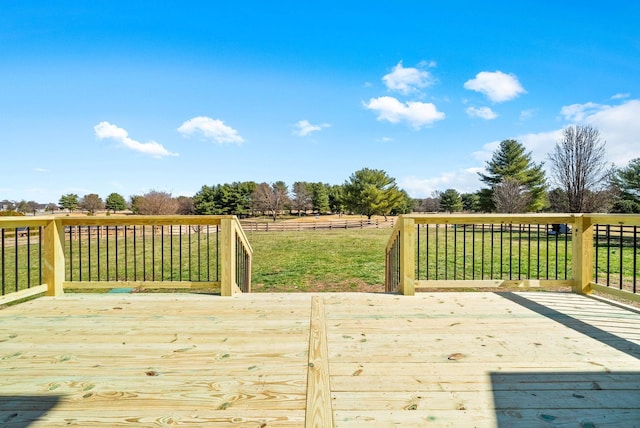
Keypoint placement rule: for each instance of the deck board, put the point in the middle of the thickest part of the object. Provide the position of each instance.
(437, 359)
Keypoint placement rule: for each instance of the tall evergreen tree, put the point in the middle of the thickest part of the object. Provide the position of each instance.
(451, 201)
(628, 181)
(372, 192)
(511, 160)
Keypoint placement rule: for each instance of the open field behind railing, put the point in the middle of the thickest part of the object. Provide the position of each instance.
(49, 254)
(594, 252)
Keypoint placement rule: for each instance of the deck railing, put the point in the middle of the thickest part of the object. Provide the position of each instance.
(49, 254)
(587, 252)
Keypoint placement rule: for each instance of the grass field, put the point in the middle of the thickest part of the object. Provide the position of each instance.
(340, 260)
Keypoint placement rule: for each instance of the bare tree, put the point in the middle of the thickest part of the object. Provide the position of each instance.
(511, 196)
(92, 203)
(185, 205)
(579, 167)
(270, 198)
(156, 203)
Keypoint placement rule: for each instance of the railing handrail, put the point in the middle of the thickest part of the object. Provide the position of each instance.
(53, 236)
(582, 237)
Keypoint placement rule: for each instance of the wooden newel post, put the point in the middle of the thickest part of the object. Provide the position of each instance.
(227, 253)
(54, 257)
(407, 256)
(582, 258)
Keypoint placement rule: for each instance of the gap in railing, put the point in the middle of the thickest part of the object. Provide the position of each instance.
(492, 251)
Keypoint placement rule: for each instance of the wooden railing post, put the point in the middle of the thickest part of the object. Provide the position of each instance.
(582, 258)
(227, 257)
(54, 262)
(407, 256)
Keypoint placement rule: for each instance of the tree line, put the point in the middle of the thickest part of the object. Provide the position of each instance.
(367, 191)
(580, 181)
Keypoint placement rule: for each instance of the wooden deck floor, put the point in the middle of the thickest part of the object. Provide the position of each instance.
(344, 360)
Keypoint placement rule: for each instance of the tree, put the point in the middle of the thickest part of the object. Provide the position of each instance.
(371, 192)
(51, 207)
(628, 181)
(470, 202)
(511, 196)
(301, 200)
(579, 168)
(26, 206)
(115, 202)
(271, 198)
(185, 205)
(224, 199)
(404, 206)
(336, 199)
(511, 160)
(319, 198)
(450, 201)
(69, 202)
(156, 203)
(557, 200)
(91, 203)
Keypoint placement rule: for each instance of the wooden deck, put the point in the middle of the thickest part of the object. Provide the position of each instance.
(344, 360)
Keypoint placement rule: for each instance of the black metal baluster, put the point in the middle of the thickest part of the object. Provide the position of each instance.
(621, 256)
(418, 255)
(608, 229)
(107, 255)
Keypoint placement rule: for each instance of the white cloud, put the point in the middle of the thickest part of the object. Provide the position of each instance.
(619, 127)
(304, 128)
(497, 86)
(539, 144)
(527, 114)
(212, 129)
(106, 130)
(417, 114)
(464, 181)
(40, 170)
(578, 112)
(620, 96)
(407, 80)
(482, 112)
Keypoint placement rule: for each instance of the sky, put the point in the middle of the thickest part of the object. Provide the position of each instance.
(132, 96)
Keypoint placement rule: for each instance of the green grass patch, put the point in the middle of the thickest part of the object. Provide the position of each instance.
(334, 260)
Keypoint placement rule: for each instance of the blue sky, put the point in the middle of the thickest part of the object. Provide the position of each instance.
(132, 96)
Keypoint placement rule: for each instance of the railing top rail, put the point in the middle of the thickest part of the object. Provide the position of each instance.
(394, 233)
(23, 221)
(492, 218)
(149, 220)
(617, 219)
(243, 236)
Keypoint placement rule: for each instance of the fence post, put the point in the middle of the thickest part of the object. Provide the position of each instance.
(54, 263)
(582, 257)
(407, 256)
(227, 253)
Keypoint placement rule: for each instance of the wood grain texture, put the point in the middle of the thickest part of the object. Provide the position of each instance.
(379, 360)
(318, 412)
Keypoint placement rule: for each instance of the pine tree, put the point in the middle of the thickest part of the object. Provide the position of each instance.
(511, 160)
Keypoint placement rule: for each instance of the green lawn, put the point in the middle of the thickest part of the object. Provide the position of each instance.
(339, 260)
